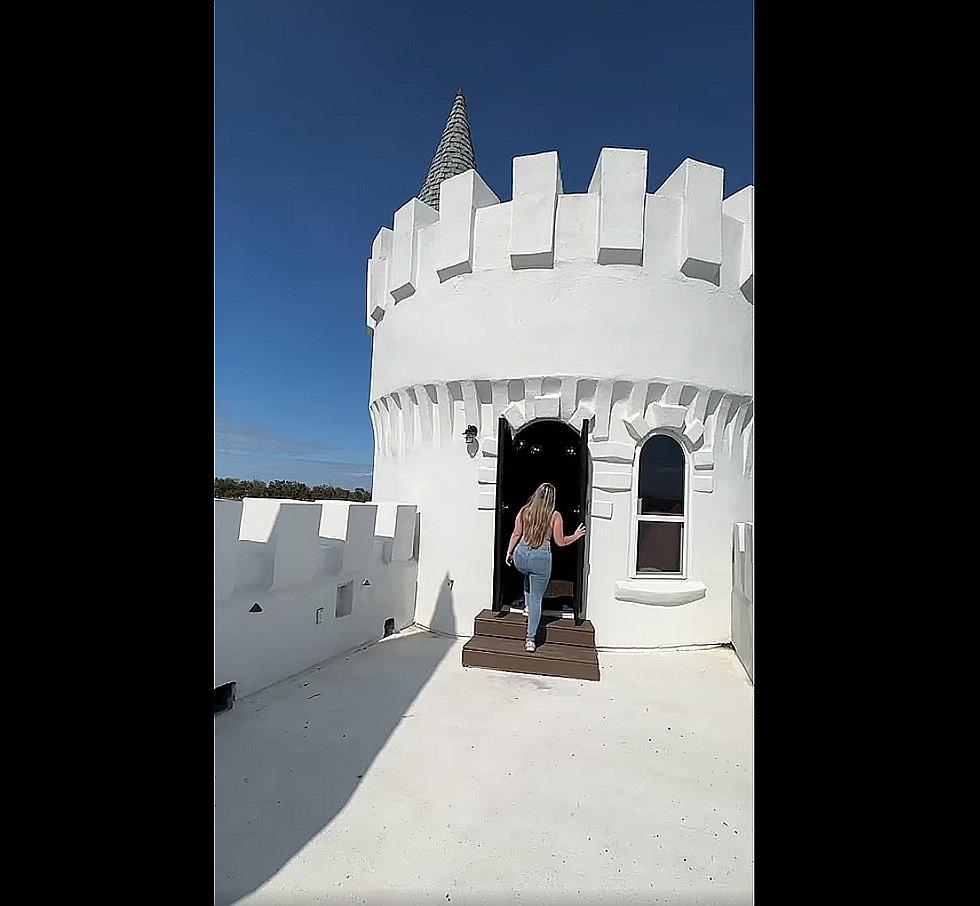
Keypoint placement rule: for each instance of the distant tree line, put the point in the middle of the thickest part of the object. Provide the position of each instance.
(237, 488)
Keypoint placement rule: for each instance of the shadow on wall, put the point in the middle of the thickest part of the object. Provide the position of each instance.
(444, 616)
(288, 759)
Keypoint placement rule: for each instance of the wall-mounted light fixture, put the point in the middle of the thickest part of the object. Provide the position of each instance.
(470, 433)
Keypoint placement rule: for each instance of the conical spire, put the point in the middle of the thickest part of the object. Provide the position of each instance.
(454, 153)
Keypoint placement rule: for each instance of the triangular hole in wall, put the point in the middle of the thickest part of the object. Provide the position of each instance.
(366, 582)
(255, 608)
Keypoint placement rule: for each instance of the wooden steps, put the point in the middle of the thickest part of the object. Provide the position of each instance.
(567, 649)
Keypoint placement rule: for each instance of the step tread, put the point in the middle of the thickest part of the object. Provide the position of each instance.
(554, 651)
(518, 619)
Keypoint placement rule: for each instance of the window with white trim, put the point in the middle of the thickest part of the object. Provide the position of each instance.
(660, 513)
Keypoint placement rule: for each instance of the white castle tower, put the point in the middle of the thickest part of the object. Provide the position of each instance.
(503, 330)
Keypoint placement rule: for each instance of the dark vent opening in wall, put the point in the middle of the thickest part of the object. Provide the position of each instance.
(345, 600)
(224, 697)
(390, 626)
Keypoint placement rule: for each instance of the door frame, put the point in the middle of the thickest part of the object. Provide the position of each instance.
(503, 515)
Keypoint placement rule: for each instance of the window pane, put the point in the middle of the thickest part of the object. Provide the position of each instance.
(661, 488)
(658, 547)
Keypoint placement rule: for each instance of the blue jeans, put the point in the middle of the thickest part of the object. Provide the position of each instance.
(535, 564)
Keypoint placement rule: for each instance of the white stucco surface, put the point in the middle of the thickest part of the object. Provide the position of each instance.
(292, 558)
(624, 308)
(394, 775)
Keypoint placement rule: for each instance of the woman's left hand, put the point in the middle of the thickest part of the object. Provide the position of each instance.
(508, 560)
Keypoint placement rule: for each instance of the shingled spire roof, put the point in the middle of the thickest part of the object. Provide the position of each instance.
(454, 153)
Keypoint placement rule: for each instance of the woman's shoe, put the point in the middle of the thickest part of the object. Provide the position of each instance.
(529, 645)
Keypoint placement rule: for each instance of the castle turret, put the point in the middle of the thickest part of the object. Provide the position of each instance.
(626, 311)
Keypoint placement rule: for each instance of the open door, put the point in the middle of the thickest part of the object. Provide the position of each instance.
(503, 520)
(582, 513)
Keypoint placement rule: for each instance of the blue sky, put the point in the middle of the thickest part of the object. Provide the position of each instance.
(326, 117)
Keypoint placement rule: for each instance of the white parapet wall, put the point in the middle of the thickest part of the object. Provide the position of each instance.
(743, 614)
(297, 583)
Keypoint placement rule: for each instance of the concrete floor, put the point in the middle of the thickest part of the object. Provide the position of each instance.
(394, 775)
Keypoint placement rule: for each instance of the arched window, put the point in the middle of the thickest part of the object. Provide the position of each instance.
(660, 516)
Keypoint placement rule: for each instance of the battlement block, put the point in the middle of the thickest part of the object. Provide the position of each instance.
(459, 199)
(377, 277)
(258, 518)
(536, 187)
(620, 181)
(741, 207)
(396, 524)
(296, 544)
(227, 524)
(403, 265)
(353, 524)
(699, 186)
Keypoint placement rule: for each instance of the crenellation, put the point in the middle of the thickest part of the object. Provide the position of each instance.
(741, 207)
(577, 228)
(731, 244)
(403, 270)
(460, 198)
(536, 187)
(271, 546)
(620, 181)
(377, 280)
(699, 187)
(662, 234)
(491, 237)
(427, 251)
(684, 228)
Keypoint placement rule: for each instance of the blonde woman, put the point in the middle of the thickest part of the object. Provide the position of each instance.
(536, 525)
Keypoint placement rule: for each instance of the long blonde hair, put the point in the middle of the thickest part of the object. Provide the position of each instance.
(538, 513)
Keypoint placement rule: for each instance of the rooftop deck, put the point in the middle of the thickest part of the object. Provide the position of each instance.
(394, 775)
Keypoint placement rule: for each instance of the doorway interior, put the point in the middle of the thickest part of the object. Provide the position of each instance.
(553, 451)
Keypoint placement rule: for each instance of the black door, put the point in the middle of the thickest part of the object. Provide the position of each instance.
(582, 511)
(503, 520)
